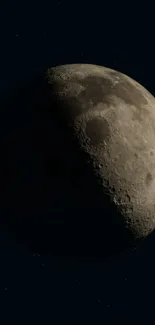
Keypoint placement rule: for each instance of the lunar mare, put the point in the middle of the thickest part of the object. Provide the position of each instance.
(112, 119)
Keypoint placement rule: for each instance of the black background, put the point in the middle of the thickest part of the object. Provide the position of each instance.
(35, 285)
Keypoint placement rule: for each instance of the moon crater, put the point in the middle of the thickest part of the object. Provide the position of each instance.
(97, 130)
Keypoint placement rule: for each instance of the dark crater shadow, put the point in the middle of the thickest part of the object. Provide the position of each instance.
(50, 199)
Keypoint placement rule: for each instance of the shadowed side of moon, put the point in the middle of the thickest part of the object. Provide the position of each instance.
(52, 200)
(57, 200)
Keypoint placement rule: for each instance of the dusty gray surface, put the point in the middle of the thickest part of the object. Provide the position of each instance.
(112, 120)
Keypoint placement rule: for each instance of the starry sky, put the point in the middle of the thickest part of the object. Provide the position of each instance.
(35, 285)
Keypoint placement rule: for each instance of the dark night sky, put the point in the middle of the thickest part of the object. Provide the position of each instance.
(35, 285)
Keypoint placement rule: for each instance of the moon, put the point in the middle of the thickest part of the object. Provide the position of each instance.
(109, 121)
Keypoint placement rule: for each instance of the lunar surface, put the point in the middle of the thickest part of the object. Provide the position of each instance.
(108, 120)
